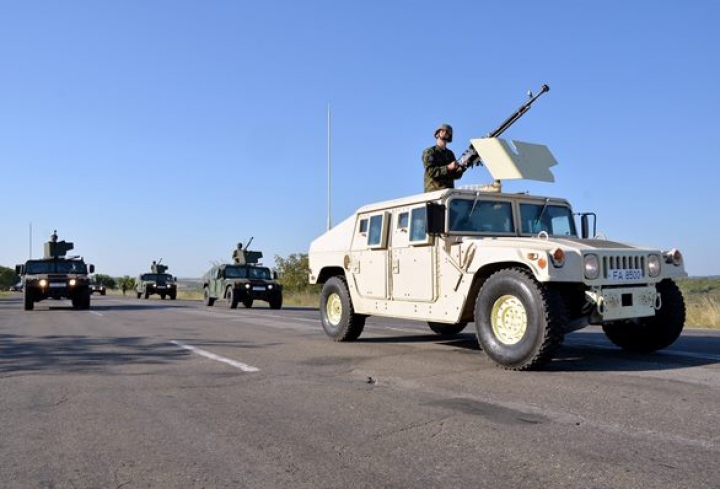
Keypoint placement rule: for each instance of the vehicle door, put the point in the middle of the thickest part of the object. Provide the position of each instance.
(412, 257)
(369, 268)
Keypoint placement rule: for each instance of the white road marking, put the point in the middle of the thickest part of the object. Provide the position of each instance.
(218, 358)
(96, 313)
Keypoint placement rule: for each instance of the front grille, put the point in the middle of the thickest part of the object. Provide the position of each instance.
(623, 262)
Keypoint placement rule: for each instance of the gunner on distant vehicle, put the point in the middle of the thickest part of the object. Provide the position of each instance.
(441, 168)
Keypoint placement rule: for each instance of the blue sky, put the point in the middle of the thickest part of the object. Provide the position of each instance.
(174, 129)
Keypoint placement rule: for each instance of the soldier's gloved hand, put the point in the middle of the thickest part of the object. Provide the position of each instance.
(468, 158)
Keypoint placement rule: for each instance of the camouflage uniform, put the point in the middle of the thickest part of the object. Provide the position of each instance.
(437, 176)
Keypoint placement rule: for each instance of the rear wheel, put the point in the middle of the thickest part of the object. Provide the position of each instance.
(446, 329)
(337, 313)
(520, 324)
(649, 334)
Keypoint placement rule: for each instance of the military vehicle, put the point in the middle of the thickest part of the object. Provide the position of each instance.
(514, 264)
(157, 282)
(56, 276)
(244, 281)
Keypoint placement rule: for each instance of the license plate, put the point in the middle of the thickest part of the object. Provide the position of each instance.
(625, 274)
(56, 286)
(160, 286)
(258, 288)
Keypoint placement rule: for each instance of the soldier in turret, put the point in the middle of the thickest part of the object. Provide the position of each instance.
(238, 255)
(441, 169)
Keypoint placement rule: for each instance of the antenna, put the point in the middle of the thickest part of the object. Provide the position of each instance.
(329, 218)
(30, 243)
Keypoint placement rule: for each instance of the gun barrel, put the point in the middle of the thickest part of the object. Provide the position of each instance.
(518, 113)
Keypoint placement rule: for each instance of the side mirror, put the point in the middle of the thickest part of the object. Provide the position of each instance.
(19, 269)
(435, 218)
(585, 224)
(274, 275)
(91, 268)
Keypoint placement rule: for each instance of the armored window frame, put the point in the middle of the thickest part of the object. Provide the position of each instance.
(363, 226)
(377, 231)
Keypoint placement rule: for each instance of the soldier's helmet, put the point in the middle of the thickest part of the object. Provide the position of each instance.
(448, 128)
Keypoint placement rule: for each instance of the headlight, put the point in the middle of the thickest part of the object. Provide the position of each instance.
(72, 282)
(247, 286)
(42, 283)
(653, 265)
(270, 286)
(592, 266)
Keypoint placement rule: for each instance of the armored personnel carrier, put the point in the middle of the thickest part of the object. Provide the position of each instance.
(56, 276)
(244, 281)
(157, 282)
(514, 264)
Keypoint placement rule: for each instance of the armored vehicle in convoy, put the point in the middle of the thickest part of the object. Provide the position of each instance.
(242, 281)
(157, 282)
(514, 264)
(56, 276)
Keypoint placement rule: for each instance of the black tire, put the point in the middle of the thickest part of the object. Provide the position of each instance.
(209, 301)
(248, 303)
(646, 335)
(520, 324)
(139, 295)
(173, 295)
(337, 313)
(232, 298)
(28, 300)
(147, 293)
(102, 293)
(446, 329)
(162, 297)
(276, 302)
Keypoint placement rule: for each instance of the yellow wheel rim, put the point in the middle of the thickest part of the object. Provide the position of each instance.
(333, 309)
(509, 319)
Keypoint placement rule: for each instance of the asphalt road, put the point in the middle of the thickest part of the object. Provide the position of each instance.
(155, 394)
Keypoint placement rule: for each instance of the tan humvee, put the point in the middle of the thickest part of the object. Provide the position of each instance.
(514, 264)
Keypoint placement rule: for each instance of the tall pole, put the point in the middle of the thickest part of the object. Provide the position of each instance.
(329, 218)
(30, 243)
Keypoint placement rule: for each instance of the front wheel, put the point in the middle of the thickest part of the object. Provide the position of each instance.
(232, 298)
(29, 301)
(649, 334)
(248, 303)
(337, 313)
(209, 301)
(446, 329)
(520, 324)
(276, 302)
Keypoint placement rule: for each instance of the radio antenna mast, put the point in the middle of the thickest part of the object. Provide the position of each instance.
(329, 218)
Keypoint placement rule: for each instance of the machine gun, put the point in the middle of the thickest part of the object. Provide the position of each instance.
(157, 268)
(470, 158)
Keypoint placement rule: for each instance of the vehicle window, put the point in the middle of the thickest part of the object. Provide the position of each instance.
(236, 272)
(37, 268)
(480, 216)
(376, 231)
(362, 229)
(403, 220)
(418, 224)
(260, 273)
(556, 220)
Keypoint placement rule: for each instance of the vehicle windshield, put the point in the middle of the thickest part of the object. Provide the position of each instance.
(480, 216)
(55, 266)
(556, 220)
(261, 273)
(157, 277)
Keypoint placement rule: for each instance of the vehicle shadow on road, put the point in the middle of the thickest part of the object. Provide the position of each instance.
(23, 354)
(591, 352)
